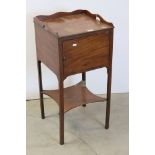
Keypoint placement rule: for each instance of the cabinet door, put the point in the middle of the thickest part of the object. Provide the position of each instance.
(86, 53)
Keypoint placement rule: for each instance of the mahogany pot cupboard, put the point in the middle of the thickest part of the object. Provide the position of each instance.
(69, 43)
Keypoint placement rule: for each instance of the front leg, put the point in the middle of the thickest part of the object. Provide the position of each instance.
(61, 111)
(109, 73)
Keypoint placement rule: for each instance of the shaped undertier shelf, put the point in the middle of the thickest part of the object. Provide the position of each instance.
(74, 96)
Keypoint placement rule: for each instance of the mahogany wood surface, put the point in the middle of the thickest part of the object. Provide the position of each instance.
(69, 43)
(47, 49)
(65, 24)
(85, 53)
(40, 89)
(74, 96)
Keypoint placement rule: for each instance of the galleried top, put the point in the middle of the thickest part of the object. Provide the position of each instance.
(63, 24)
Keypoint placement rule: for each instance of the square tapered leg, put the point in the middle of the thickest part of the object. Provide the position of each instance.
(109, 72)
(40, 90)
(61, 111)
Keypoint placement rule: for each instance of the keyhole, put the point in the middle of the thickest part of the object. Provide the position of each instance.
(74, 45)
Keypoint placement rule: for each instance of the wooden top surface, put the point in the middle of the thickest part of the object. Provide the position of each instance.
(71, 23)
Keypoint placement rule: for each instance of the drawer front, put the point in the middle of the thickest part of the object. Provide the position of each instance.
(86, 53)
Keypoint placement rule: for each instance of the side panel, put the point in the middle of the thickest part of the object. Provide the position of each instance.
(47, 49)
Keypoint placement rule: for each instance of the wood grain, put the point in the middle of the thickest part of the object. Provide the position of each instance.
(89, 53)
(69, 43)
(74, 96)
(47, 49)
(63, 24)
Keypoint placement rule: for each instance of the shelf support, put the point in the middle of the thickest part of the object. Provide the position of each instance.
(61, 94)
(61, 111)
(109, 71)
(40, 89)
(84, 82)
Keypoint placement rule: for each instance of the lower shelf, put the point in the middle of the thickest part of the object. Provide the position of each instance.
(74, 96)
